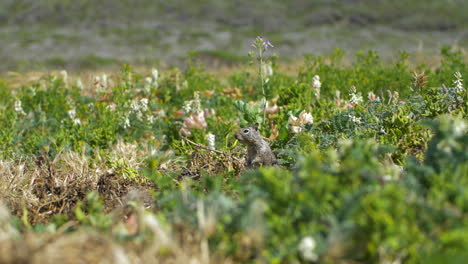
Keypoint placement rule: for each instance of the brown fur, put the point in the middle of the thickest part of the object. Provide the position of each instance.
(258, 150)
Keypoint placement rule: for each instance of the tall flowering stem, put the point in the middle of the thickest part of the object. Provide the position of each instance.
(458, 83)
(261, 45)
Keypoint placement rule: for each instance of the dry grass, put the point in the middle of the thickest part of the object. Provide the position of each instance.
(42, 188)
(39, 188)
(219, 71)
(157, 245)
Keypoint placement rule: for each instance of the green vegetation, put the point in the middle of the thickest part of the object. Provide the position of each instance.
(373, 165)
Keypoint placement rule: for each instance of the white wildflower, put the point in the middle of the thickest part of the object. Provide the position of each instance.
(76, 121)
(19, 107)
(71, 113)
(126, 123)
(306, 118)
(267, 69)
(141, 105)
(196, 103)
(149, 81)
(104, 80)
(263, 103)
(337, 95)
(316, 84)
(296, 123)
(387, 178)
(295, 129)
(396, 97)
(64, 75)
(148, 84)
(356, 98)
(187, 106)
(459, 128)
(151, 119)
(337, 98)
(155, 74)
(393, 97)
(306, 249)
(135, 106)
(210, 138)
(144, 104)
(33, 90)
(294, 120)
(355, 119)
(79, 84)
(458, 82)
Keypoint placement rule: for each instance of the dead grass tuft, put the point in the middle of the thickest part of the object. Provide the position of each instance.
(212, 161)
(156, 244)
(44, 188)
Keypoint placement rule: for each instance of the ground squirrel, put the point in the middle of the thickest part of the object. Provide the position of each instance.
(258, 151)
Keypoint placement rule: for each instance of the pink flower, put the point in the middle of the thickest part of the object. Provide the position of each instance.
(270, 110)
(185, 132)
(200, 120)
(112, 106)
(189, 123)
(194, 121)
(209, 112)
(372, 97)
(348, 105)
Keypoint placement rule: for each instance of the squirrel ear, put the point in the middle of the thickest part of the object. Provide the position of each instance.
(255, 126)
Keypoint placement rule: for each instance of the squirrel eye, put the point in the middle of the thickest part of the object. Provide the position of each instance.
(246, 131)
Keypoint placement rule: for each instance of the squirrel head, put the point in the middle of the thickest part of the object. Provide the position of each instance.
(248, 135)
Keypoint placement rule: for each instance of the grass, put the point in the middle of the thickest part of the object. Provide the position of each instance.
(168, 32)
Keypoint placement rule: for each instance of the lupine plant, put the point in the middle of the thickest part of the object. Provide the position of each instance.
(261, 46)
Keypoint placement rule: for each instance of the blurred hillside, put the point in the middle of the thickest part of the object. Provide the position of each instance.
(38, 34)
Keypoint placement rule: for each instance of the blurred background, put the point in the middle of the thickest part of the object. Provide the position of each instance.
(89, 34)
